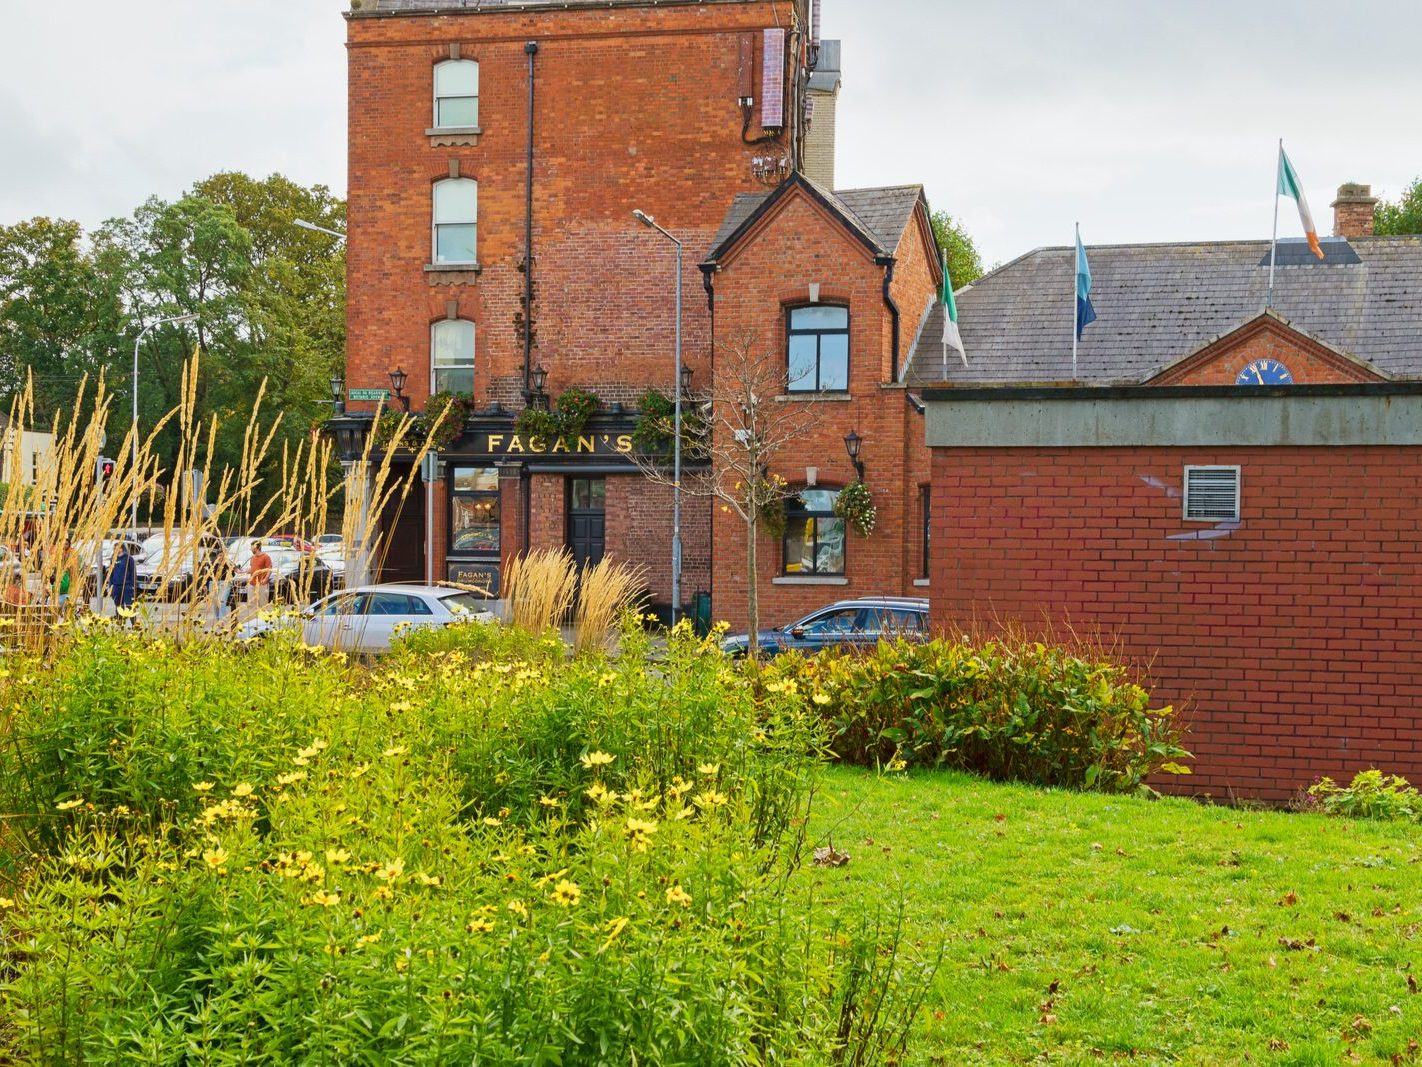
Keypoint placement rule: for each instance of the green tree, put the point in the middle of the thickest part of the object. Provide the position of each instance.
(60, 316)
(1404, 216)
(965, 265)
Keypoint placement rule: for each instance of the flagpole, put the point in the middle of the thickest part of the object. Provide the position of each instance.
(1274, 242)
(943, 252)
(1075, 266)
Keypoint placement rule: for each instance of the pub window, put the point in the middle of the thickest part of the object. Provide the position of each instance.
(474, 506)
(814, 536)
(456, 217)
(456, 94)
(817, 353)
(452, 356)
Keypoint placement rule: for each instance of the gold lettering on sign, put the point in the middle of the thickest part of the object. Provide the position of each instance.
(538, 444)
(587, 444)
(496, 441)
(560, 445)
(516, 443)
(624, 442)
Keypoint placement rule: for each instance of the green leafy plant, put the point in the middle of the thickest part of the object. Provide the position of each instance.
(565, 422)
(655, 427)
(855, 505)
(1370, 795)
(772, 505)
(442, 422)
(1007, 709)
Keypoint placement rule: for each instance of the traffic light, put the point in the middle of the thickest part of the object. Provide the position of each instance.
(103, 470)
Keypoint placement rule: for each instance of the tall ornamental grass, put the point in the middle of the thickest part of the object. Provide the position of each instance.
(269, 855)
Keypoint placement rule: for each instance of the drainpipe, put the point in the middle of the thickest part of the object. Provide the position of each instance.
(708, 282)
(530, 50)
(887, 262)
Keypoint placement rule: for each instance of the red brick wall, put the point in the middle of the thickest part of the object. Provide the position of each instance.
(636, 108)
(1294, 641)
(1309, 363)
(798, 246)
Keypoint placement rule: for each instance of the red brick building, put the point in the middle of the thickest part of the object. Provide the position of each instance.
(1232, 497)
(497, 153)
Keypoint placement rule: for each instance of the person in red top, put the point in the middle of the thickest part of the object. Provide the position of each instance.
(259, 580)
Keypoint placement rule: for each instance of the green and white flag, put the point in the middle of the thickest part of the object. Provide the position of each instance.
(1289, 185)
(951, 337)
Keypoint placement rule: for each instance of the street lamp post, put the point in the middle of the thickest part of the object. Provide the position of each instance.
(133, 515)
(647, 220)
(319, 229)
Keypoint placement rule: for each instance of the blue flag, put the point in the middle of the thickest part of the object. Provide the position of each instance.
(1085, 313)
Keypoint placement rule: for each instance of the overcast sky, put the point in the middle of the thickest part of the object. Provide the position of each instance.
(1146, 120)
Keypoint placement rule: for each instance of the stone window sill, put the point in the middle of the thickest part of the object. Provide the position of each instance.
(795, 579)
(922, 583)
(815, 398)
(454, 136)
(452, 273)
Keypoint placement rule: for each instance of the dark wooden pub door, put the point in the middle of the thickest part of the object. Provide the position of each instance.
(403, 537)
(587, 520)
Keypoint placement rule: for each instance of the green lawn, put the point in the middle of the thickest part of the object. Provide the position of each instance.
(1088, 929)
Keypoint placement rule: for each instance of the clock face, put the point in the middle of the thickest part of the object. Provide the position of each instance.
(1265, 372)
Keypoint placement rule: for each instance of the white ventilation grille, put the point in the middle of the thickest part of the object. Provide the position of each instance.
(1211, 494)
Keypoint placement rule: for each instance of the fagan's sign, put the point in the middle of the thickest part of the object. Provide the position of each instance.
(513, 444)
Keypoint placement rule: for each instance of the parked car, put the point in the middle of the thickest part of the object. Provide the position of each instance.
(366, 619)
(858, 623)
(297, 577)
(166, 565)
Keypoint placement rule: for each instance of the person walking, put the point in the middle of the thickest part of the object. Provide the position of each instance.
(122, 580)
(70, 578)
(259, 577)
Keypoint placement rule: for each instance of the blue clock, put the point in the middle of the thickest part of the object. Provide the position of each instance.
(1265, 372)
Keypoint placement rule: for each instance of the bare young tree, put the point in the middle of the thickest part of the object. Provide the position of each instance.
(743, 428)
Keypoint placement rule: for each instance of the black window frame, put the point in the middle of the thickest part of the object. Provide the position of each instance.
(791, 333)
(925, 505)
(794, 512)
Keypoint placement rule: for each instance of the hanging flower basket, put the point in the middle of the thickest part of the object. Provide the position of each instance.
(855, 505)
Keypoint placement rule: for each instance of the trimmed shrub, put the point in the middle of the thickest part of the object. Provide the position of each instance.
(1019, 711)
(1370, 795)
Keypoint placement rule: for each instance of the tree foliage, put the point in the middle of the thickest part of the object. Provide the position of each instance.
(1391, 219)
(269, 296)
(965, 264)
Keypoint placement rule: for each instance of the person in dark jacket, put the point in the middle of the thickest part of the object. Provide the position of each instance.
(122, 581)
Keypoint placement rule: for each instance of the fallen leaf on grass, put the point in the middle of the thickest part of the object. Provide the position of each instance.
(1289, 899)
(1294, 944)
(829, 856)
(1411, 984)
(1278, 1044)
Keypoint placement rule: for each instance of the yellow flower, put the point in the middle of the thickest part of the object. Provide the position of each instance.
(301, 761)
(215, 857)
(821, 699)
(402, 965)
(614, 929)
(69, 805)
(324, 899)
(709, 799)
(639, 832)
(368, 939)
(709, 770)
(202, 787)
(677, 895)
(599, 794)
(360, 770)
(548, 802)
(596, 759)
(243, 789)
(337, 856)
(566, 893)
(518, 907)
(382, 892)
(394, 750)
(428, 879)
(290, 777)
(479, 926)
(607, 678)
(491, 821)
(392, 871)
(6, 902)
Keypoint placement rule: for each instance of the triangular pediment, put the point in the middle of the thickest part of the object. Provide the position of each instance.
(1310, 360)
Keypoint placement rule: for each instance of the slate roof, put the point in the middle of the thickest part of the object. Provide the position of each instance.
(1157, 303)
(879, 215)
(386, 7)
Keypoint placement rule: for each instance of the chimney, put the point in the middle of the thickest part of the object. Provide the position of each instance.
(1353, 210)
(821, 105)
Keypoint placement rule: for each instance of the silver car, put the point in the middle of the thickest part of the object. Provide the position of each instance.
(367, 618)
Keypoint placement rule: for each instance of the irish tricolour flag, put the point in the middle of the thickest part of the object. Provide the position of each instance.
(1289, 185)
(951, 337)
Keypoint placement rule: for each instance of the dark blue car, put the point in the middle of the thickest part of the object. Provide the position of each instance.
(858, 623)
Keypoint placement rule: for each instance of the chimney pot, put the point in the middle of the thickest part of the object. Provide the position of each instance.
(1353, 210)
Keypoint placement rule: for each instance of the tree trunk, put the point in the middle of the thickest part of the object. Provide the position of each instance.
(753, 585)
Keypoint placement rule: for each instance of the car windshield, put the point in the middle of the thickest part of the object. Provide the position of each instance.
(463, 603)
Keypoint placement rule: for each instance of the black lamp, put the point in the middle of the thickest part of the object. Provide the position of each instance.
(685, 378)
(538, 378)
(852, 441)
(350, 436)
(338, 394)
(397, 382)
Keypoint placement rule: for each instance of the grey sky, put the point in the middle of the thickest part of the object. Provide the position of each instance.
(1146, 120)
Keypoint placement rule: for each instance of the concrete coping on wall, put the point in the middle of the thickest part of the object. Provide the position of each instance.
(1388, 414)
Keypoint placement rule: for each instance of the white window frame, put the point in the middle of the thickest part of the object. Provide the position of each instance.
(437, 97)
(437, 223)
(436, 367)
(1213, 468)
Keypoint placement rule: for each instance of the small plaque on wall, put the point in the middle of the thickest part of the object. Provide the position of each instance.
(483, 577)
